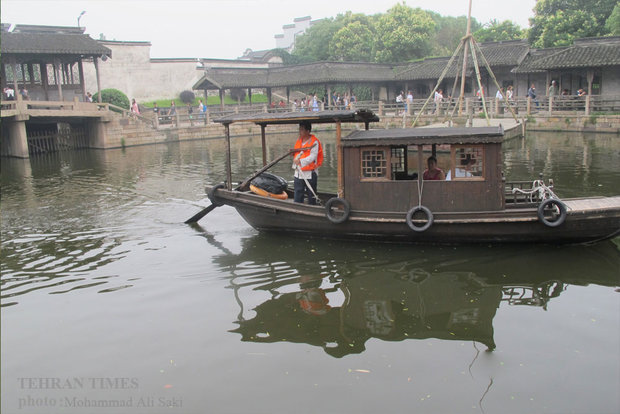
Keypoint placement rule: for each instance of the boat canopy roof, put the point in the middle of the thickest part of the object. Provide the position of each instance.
(424, 136)
(315, 117)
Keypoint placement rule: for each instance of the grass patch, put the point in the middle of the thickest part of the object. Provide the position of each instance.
(211, 100)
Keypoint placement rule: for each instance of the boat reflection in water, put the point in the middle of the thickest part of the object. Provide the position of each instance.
(340, 302)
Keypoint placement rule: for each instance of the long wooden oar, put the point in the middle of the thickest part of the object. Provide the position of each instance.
(246, 182)
(201, 214)
(241, 186)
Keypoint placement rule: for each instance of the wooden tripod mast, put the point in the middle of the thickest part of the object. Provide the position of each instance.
(467, 44)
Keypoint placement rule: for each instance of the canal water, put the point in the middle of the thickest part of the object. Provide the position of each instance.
(110, 304)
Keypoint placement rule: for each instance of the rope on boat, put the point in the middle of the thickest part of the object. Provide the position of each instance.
(420, 189)
(539, 190)
(301, 174)
(547, 200)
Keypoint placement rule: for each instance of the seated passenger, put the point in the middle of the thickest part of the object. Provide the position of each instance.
(433, 172)
(463, 171)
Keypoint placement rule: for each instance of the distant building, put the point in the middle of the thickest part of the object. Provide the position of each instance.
(261, 57)
(287, 39)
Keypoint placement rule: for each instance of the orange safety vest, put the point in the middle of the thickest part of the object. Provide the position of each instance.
(305, 153)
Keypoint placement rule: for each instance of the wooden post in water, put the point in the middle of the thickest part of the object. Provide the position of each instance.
(340, 160)
(263, 143)
(228, 160)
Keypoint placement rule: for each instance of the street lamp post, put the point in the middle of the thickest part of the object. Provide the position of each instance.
(80, 16)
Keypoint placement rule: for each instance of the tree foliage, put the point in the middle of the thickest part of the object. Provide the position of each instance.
(403, 34)
(559, 22)
(448, 33)
(353, 42)
(313, 45)
(613, 22)
(496, 31)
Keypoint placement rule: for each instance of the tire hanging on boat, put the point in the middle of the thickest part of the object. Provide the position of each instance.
(429, 218)
(552, 203)
(337, 202)
(215, 199)
(264, 193)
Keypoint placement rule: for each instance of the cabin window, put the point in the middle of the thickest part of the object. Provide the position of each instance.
(375, 163)
(467, 162)
(398, 162)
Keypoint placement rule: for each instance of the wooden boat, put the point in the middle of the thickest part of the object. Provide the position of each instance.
(381, 194)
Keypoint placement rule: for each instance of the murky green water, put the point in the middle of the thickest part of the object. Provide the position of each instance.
(111, 305)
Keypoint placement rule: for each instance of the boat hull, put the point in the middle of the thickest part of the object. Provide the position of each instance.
(587, 220)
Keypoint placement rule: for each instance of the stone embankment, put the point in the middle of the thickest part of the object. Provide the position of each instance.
(130, 132)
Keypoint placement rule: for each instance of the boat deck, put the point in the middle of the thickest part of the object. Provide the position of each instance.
(592, 204)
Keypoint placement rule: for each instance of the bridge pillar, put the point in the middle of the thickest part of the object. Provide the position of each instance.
(15, 144)
(97, 134)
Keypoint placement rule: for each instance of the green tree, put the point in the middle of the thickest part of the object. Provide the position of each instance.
(313, 45)
(353, 42)
(448, 32)
(613, 22)
(559, 22)
(403, 34)
(496, 31)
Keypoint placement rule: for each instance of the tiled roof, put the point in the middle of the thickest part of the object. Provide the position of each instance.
(509, 53)
(51, 44)
(431, 68)
(506, 53)
(528, 65)
(585, 53)
(329, 72)
(581, 57)
(312, 73)
(216, 78)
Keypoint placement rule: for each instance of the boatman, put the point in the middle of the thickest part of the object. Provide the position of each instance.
(306, 164)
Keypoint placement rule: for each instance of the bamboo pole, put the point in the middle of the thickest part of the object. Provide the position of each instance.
(486, 64)
(464, 69)
(443, 74)
(475, 60)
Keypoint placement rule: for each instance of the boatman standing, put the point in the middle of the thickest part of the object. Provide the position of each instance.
(306, 163)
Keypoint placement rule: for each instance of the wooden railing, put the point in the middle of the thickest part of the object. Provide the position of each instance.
(558, 105)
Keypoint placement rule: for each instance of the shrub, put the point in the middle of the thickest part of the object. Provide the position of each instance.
(114, 97)
(187, 97)
(238, 94)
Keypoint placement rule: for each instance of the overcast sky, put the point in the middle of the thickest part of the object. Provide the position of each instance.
(223, 28)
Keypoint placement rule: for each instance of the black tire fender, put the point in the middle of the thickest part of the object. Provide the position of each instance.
(334, 202)
(551, 203)
(211, 194)
(429, 217)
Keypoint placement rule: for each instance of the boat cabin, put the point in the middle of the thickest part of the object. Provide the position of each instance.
(383, 169)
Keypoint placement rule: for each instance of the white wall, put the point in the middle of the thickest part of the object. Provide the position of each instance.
(132, 71)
